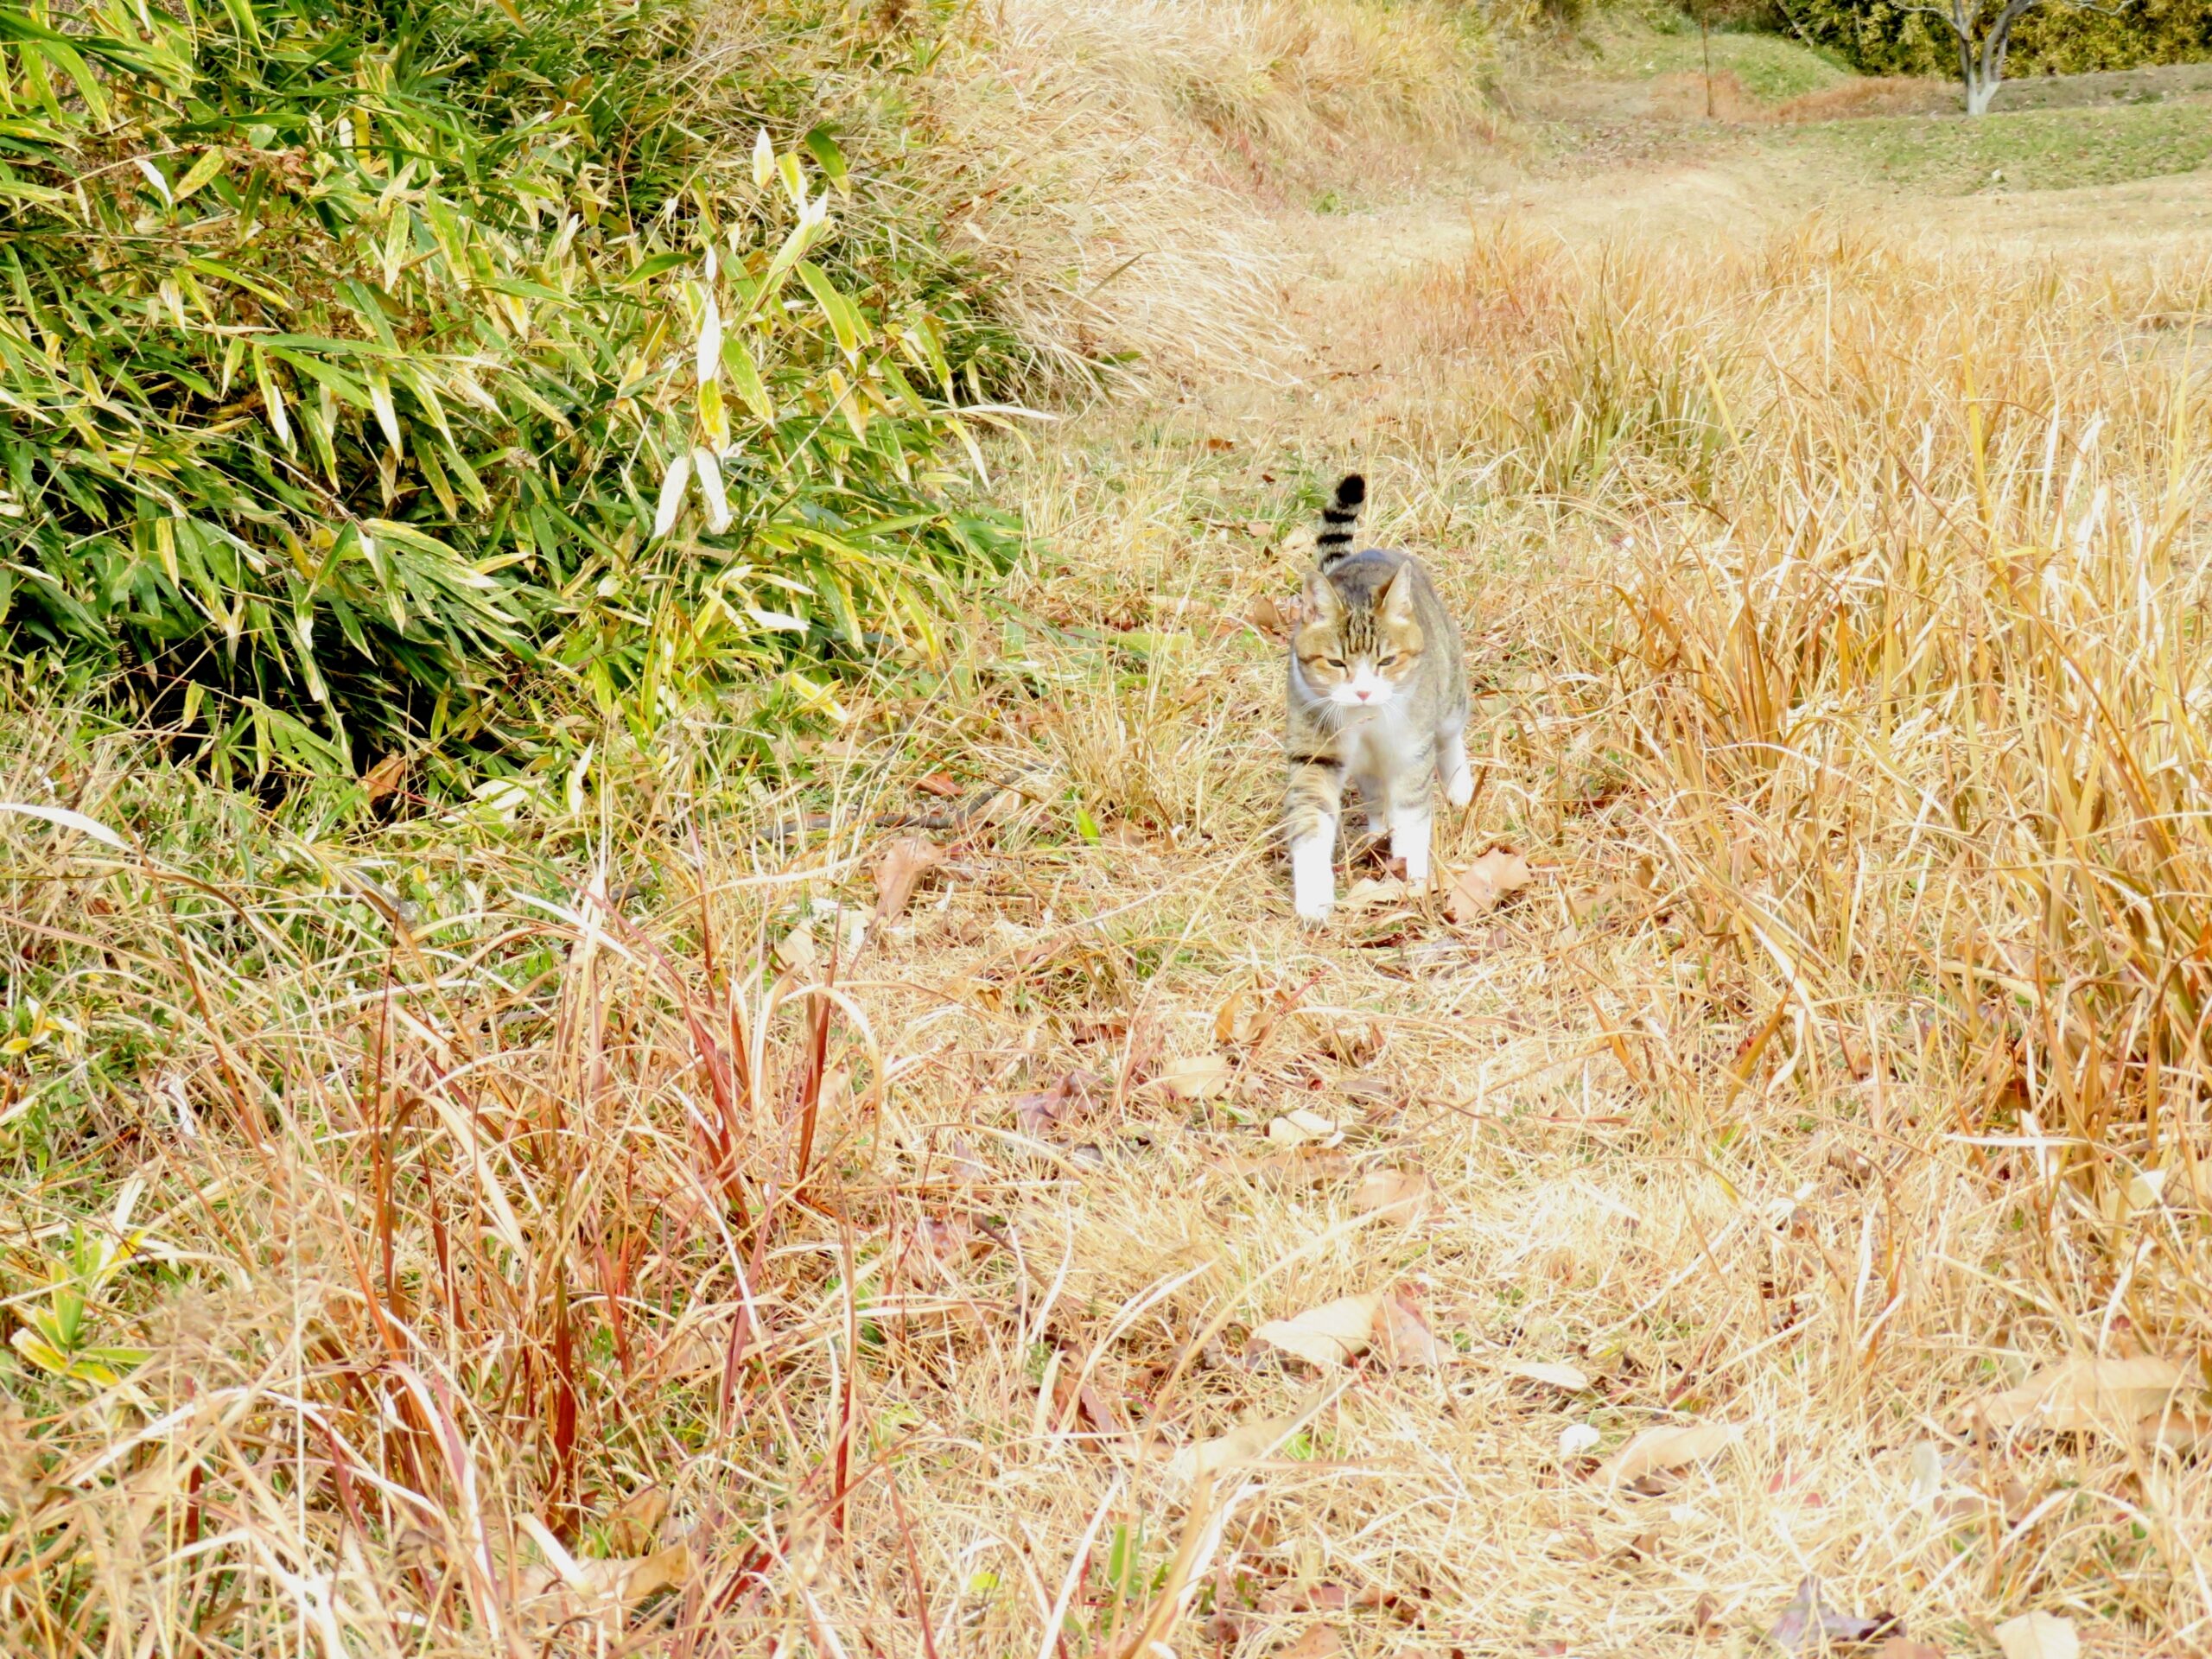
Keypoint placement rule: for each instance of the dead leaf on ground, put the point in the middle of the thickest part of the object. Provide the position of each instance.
(2039, 1635)
(1068, 1098)
(1273, 619)
(1073, 1398)
(1335, 1333)
(1900, 1647)
(2175, 1430)
(383, 778)
(606, 1587)
(1304, 1128)
(1195, 1077)
(1394, 1196)
(633, 1523)
(2085, 1393)
(1667, 1447)
(1300, 1165)
(938, 784)
(1403, 1340)
(900, 868)
(1809, 1624)
(1347, 1043)
(796, 954)
(1376, 892)
(1319, 1642)
(1558, 1377)
(1248, 1016)
(1478, 889)
(1246, 1443)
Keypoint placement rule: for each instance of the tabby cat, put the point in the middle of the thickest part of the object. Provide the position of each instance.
(1378, 698)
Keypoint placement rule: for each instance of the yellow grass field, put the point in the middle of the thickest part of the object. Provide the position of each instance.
(940, 1203)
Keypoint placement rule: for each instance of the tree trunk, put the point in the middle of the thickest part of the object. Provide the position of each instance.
(1981, 94)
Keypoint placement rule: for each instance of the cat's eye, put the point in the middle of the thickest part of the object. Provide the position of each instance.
(1337, 663)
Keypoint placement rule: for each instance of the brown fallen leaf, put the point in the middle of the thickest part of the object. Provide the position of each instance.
(606, 1588)
(1399, 1197)
(796, 954)
(2039, 1635)
(2084, 1393)
(1809, 1624)
(1476, 891)
(1070, 1097)
(1335, 1333)
(1073, 1399)
(1376, 892)
(1276, 621)
(1304, 1128)
(1902, 1647)
(1403, 1340)
(1319, 1642)
(1194, 1077)
(2175, 1430)
(1704, 1614)
(1666, 1447)
(1558, 1377)
(632, 1524)
(383, 778)
(1300, 1166)
(1246, 1443)
(900, 868)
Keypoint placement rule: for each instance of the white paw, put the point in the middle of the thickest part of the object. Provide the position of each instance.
(1459, 788)
(1313, 882)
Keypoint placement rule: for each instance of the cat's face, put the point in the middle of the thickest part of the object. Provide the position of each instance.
(1360, 650)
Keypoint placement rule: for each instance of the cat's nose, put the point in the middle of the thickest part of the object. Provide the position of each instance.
(1364, 693)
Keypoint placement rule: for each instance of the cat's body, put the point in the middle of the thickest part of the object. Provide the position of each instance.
(1378, 699)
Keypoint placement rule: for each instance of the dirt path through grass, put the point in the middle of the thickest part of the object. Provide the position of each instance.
(1229, 1108)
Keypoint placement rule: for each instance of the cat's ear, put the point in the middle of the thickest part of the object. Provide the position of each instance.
(1322, 602)
(1396, 602)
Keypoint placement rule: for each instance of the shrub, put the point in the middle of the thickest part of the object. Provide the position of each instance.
(352, 349)
(1885, 38)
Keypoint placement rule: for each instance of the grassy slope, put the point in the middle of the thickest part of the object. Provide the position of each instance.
(1773, 69)
(2027, 149)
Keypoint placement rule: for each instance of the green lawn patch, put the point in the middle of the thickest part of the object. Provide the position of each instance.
(1772, 68)
(2029, 149)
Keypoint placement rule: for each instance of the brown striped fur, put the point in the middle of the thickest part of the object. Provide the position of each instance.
(1378, 699)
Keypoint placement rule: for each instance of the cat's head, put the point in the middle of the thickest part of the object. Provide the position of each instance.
(1358, 644)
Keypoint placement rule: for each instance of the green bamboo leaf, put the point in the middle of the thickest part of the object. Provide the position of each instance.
(744, 376)
(844, 322)
(209, 164)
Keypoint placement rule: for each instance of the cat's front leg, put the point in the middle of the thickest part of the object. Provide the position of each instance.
(1458, 777)
(1313, 875)
(1311, 803)
(1410, 824)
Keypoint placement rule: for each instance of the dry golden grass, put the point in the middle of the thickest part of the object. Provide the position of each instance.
(1113, 161)
(421, 1215)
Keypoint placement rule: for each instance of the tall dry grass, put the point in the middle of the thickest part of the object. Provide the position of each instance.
(460, 1236)
(1116, 162)
(1880, 632)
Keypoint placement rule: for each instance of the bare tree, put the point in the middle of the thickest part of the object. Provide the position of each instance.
(1981, 62)
(1982, 42)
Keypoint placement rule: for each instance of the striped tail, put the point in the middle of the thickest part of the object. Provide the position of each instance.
(1338, 517)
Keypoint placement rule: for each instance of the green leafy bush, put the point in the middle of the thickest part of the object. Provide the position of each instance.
(1883, 37)
(358, 357)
